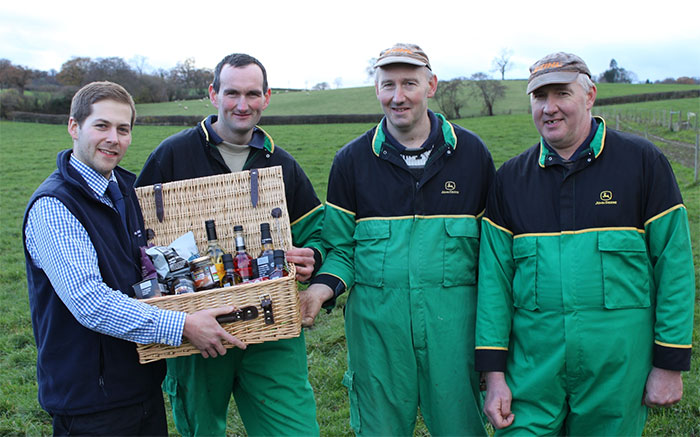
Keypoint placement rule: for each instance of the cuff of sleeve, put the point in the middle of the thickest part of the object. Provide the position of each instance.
(490, 360)
(171, 327)
(671, 358)
(318, 260)
(335, 284)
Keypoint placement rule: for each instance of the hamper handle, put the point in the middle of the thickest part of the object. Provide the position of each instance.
(246, 313)
(158, 195)
(254, 187)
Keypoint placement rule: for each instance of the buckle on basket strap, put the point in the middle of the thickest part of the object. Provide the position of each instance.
(254, 187)
(245, 313)
(158, 194)
(266, 304)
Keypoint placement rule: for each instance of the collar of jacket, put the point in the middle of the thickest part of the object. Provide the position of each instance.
(448, 133)
(74, 177)
(259, 140)
(596, 145)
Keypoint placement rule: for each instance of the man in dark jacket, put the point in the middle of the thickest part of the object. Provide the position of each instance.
(270, 380)
(586, 283)
(402, 232)
(82, 232)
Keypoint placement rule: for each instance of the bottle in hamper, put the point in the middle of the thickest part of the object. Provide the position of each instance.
(266, 260)
(242, 262)
(229, 278)
(278, 271)
(214, 251)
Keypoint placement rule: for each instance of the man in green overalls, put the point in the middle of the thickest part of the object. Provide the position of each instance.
(586, 283)
(402, 230)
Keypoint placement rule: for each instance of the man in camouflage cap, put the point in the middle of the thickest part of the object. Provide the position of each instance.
(586, 280)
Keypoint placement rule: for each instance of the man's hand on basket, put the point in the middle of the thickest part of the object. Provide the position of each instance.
(206, 334)
(311, 300)
(303, 259)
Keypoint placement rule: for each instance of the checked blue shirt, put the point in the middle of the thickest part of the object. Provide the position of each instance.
(59, 244)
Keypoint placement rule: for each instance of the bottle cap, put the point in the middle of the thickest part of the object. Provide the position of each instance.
(211, 229)
(227, 259)
(238, 228)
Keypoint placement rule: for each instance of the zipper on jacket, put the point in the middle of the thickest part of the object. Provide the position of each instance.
(100, 378)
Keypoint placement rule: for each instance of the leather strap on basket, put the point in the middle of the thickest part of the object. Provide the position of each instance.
(266, 304)
(158, 194)
(254, 187)
(246, 313)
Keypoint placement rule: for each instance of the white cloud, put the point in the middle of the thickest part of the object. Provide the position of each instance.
(306, 42)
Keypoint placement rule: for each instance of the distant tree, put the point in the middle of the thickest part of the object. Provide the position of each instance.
(686, 80)
(114, 69)
(502, 63)
(139, 63)
(14, 76)
(321, 86)
(450, 96)
(190, 79)
(338, 82)
(369, 69)
(74, 71)
(616, 74)
(488, 90)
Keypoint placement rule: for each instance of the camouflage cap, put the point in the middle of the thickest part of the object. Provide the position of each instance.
(403, 54)
(556, 68)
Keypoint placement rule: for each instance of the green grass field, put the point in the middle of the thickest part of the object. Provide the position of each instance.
(27, 156)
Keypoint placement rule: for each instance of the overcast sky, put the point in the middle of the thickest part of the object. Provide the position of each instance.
(302, 43)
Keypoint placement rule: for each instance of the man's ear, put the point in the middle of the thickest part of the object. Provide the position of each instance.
(73, 128)
(213, 96)
(432, 86)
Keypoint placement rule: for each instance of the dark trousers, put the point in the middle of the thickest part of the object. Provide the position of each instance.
(145, 418)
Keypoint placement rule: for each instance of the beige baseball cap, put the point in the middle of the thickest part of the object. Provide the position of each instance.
(403, 54)
(556, 68)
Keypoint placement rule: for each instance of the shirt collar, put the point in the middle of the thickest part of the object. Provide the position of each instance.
(548, 153)
(259, 140)
(94, 180)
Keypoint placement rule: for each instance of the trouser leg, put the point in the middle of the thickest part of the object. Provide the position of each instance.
(449, 395)
(616, 351)
(272, 389)
(382, 372)
(200, 390)
(536, 374)
(145, 418)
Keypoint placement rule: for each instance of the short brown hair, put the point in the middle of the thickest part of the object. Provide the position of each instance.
(81, 105)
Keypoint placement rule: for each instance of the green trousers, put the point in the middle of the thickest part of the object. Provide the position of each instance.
(269, 382)
(585, 376)
(411, 348)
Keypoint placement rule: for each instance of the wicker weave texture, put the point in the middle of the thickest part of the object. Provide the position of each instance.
(226, 199)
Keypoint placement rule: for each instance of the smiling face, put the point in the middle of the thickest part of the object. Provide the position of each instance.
(101, 140)
(240, 101)
(403, 91)
(562, 115)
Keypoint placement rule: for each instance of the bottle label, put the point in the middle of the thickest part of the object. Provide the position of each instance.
(265, 265)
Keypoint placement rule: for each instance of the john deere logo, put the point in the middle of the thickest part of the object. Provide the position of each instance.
(606, 198)
(450, 188)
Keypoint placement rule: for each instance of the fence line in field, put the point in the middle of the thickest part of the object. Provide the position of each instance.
(672, 120)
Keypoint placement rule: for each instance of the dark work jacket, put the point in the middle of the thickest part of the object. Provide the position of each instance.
(192, 153)
(81, 371)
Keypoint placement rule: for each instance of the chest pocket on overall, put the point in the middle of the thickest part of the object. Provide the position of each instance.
(371, 239)
(461, 252)
(626, 269)
(525, 278)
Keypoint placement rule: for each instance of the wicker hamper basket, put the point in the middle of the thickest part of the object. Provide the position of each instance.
(226, 199)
